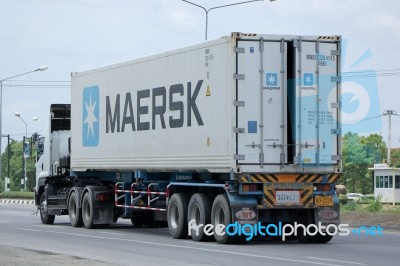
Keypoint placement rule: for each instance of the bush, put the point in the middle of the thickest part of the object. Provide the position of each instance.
(367, 199)
(343, 199)
(18, 195)
(350, 206)
(375, 205)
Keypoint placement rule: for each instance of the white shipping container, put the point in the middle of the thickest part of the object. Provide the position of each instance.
(246, 102)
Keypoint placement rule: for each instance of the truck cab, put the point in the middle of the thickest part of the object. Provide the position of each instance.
(53, 153)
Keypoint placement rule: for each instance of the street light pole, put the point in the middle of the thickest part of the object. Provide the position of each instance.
(42, 68)
(24, 179)
(215, 7)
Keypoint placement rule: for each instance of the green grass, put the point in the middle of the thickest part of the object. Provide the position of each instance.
(18, 195)
(370, 206)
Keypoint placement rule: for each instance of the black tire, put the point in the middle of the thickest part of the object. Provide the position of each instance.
(199, 212)
(44, 216)
(323, 239)
(177, 215)
(304, 238)
(138, 219)
(143, 219)
(87, 211)
(221, 214)
(306, 219)
(75, 213)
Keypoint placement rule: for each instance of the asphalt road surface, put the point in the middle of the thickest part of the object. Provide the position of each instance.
(25, 241)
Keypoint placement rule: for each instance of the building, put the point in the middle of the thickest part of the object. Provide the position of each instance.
(386, 183)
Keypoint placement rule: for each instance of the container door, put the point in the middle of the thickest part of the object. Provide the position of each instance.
(261, 101)
(317, 126)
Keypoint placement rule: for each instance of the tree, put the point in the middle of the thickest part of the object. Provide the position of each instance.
(354, 161)
(16, 167)
(395, 154)
(359, 153)
(375, 148)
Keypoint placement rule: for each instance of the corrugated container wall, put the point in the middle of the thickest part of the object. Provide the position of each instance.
(247, 102)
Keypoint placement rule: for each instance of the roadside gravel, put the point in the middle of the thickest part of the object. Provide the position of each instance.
(13, 256)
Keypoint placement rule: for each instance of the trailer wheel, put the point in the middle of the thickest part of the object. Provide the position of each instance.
(303, 237)
(75, 214)
(143, 219)
(199, 212)
(87, 211)
(44, 216)
(221, 214)
(177, 215)
(323, 239)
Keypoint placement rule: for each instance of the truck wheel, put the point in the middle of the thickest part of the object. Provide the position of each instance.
(87, 211)
(199, 212)
(304, 238)
(143, 219)
(75, 214)
(323, 239)
(44, 216)
(177, 215)
(221, 214)
(306, 219)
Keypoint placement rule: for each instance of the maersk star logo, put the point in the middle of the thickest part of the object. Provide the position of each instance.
(90, 127)
(272, 79)
(308, 79)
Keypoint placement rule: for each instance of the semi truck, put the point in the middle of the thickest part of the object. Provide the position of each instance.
(241, 130)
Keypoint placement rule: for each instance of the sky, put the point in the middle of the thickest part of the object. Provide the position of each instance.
(75, 35)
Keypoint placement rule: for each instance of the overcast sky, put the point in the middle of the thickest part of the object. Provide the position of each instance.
(75, 35)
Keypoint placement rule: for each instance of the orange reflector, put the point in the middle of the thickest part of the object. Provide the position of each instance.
(249, 187)
(102, 196)
(323, 187)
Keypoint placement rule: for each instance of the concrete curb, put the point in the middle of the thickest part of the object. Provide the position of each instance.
(17, 201)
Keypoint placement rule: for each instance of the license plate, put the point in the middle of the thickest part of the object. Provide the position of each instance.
(324, 200)
(287, 197)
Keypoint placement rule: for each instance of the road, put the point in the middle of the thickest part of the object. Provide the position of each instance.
(121, 244)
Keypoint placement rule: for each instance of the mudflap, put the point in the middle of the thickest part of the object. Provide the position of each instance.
(328, 215)
(103, 205)
(244, 209)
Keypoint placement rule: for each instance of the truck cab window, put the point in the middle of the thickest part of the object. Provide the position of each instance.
(40, 148)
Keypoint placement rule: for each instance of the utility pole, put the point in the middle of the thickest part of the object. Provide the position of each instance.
(389, 113)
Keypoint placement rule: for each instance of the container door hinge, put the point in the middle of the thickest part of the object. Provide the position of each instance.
(297, 44)
(238, 130)
(282, 46)
(336, 157)
(238, 76)
(296, 160)
(336, 131)
(238, 103)
(239, 50)
(336, 79)
(261, 45)
(335, 52)
(238, 157)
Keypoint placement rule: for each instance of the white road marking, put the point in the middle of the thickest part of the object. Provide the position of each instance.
(53, 226)
(184, 247)
(341, 261)
(108, 233)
